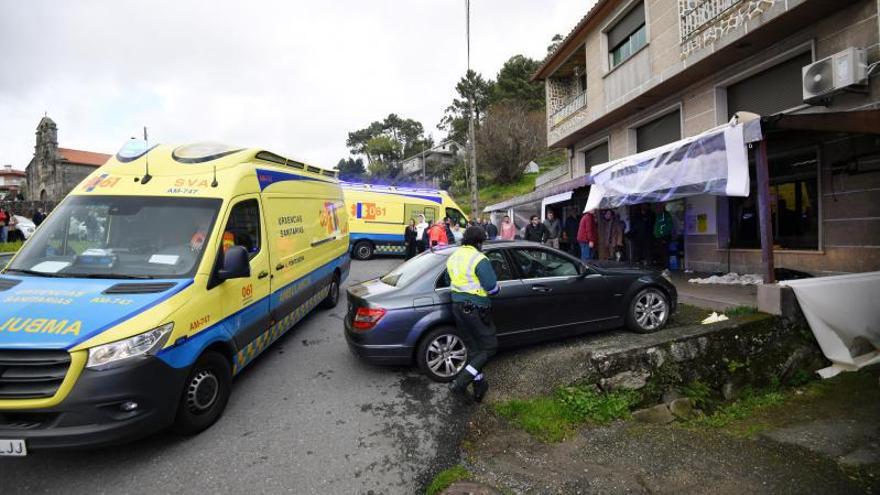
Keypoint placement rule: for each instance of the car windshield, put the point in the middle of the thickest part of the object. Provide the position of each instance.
(413, 269)
(120, 237)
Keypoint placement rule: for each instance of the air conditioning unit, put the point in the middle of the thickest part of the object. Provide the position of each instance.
(833, 74)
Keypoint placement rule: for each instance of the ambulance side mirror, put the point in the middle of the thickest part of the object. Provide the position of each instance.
(235, 264)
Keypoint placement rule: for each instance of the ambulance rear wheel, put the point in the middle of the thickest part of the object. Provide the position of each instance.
(363, 250)
(332, 298)
(205, 394)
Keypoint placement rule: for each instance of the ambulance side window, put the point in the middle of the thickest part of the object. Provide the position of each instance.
(243, 227)
(412, 211)
(456, 217)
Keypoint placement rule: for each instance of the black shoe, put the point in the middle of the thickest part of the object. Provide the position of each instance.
(456, 388)
(481, 387)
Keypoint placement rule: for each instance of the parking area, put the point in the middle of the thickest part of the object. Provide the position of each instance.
(306, 417)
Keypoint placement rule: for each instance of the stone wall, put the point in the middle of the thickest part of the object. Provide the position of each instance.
(27, 208)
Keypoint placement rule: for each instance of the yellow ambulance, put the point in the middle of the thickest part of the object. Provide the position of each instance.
(378, 215)
(158, 279)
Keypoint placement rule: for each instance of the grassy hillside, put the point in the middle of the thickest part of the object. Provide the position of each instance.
(496, 193)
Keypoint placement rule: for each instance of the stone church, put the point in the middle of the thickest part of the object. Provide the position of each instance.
(53, 172)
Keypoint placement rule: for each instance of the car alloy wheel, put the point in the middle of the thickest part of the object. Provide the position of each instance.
(650, 310)
(446, 355)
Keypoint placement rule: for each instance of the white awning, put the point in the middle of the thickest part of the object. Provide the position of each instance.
(714, 162)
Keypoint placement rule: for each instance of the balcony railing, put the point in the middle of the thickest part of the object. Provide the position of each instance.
(577, 102)
(696, 15)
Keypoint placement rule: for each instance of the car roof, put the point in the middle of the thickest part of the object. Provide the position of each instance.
(493, 244)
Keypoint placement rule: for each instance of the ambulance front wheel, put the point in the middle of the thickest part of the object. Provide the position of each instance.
(363, 250)
(205, 394)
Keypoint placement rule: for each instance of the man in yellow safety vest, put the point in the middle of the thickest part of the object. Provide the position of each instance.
(472, 280)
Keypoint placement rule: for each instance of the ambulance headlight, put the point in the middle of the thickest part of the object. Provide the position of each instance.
(143, 344)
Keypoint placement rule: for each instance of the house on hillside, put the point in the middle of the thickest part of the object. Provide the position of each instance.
(53, 172)
(635, 75)
(433, 166)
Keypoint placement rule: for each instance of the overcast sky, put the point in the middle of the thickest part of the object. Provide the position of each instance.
(290, 76)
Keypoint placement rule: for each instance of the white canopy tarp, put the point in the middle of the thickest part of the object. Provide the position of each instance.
(844, 315)
(715, 162)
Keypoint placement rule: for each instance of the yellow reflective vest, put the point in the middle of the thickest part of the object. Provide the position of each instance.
(462, 269)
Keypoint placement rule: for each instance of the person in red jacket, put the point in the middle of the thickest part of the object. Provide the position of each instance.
(588, 235)
(437, 234)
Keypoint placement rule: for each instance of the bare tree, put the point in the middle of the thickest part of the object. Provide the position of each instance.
(511, 135)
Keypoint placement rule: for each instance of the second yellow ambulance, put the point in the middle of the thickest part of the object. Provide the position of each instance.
(378, 215)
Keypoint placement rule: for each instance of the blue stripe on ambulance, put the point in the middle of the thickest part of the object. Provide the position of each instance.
(269, 177)
(377, 238)
(184, 354)
(61, 313)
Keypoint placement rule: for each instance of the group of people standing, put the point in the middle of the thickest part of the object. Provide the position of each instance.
(421, 235)
(9, 224)
(639, 234)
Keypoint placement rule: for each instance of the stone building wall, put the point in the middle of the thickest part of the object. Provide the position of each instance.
(49, 176)
(849, 205)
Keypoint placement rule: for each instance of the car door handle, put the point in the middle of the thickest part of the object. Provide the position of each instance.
(541, 288)
(263, 274)
(279, 266)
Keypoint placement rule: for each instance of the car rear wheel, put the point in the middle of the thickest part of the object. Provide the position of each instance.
(363, 250)
(442, 353)
(648, 311)
(205, 394)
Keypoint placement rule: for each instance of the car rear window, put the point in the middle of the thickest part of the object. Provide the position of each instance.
(413, 269)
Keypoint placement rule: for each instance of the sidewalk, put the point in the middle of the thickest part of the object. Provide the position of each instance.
(713, 296)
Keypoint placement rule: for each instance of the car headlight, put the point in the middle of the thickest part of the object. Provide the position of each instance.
(665, 274)
(146, 343)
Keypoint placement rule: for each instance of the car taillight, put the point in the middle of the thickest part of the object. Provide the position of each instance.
(366, 318)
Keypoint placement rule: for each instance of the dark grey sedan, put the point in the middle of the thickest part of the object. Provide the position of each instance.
(405, 316)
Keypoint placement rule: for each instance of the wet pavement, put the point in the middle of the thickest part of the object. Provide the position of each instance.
(306, 417)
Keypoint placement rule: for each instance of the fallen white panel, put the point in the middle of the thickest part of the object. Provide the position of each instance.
(844, 314)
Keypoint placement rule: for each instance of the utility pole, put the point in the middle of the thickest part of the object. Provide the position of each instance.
(472, 148)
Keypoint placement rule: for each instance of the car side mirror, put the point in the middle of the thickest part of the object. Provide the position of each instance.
(235, 264)
(585, 271)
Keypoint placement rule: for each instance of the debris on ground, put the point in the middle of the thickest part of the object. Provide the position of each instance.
(731, 278)
(714, 318)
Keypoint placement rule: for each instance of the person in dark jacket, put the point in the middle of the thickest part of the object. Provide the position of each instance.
(571, 233)
(490, 228)
(450, 236)
(643, 234)
(39, 216)
(536, 231)
(410, 239)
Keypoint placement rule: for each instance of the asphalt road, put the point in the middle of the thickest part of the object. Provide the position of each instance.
(306, 417)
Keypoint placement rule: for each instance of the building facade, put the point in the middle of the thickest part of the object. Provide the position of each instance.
(53, 172)
(637, 74)
(12, 182)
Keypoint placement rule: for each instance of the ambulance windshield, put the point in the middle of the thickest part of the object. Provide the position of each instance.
(120, 237)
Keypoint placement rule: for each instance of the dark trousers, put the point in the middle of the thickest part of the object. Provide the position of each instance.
(478, 332)
(410, 249)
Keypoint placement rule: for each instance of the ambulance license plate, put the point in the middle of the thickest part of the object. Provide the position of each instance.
(12, 448)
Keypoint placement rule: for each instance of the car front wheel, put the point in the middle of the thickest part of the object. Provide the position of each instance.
(648, 311)
(442, 353)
